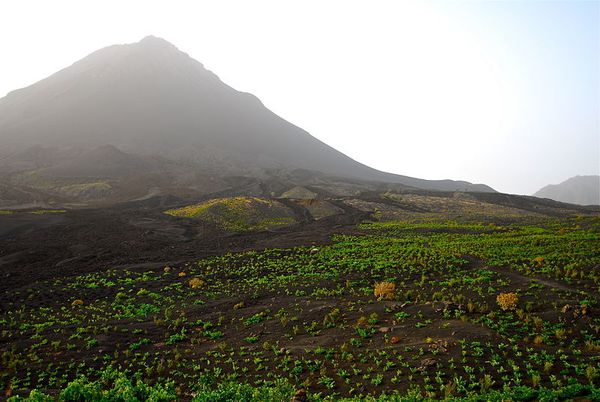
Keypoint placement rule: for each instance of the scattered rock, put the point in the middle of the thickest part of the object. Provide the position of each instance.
(426, 363)
(395, 306)
(575, 311)
(439, 345)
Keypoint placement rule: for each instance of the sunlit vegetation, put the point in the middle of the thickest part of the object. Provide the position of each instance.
(507, 301)
(238, 213)
(385, 290)
(47, 211)
(196, 283)
(420, 310)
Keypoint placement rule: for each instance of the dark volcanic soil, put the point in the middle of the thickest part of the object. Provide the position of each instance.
(88, 240)
(34, 246)
(289, 308)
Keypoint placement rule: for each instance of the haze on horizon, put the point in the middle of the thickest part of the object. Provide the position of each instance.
(501, 93)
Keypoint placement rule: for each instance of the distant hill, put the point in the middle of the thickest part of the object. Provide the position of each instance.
(582, 190)
(147, 107)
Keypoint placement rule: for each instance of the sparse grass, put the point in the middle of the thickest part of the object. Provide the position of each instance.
(72, 187)
(238, 213)
(47, 211)
(34, 212)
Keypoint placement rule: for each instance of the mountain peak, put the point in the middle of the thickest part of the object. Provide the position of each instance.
(152, 40)
(150, 98)
(155, 46)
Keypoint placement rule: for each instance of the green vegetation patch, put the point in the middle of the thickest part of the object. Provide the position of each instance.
(47, 211)
(34, 212)
(73, 187)
(115, 386)
(238, 214)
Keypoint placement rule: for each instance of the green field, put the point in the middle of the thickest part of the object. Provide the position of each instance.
(261, 325)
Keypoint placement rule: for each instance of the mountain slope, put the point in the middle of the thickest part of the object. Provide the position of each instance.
(105, 161)
(150, 98)
(582, 190)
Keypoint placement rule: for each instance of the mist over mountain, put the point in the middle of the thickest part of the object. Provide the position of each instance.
(582, 190)
(149, 108)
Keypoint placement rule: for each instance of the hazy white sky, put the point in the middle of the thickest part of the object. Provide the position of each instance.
(504, 93)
